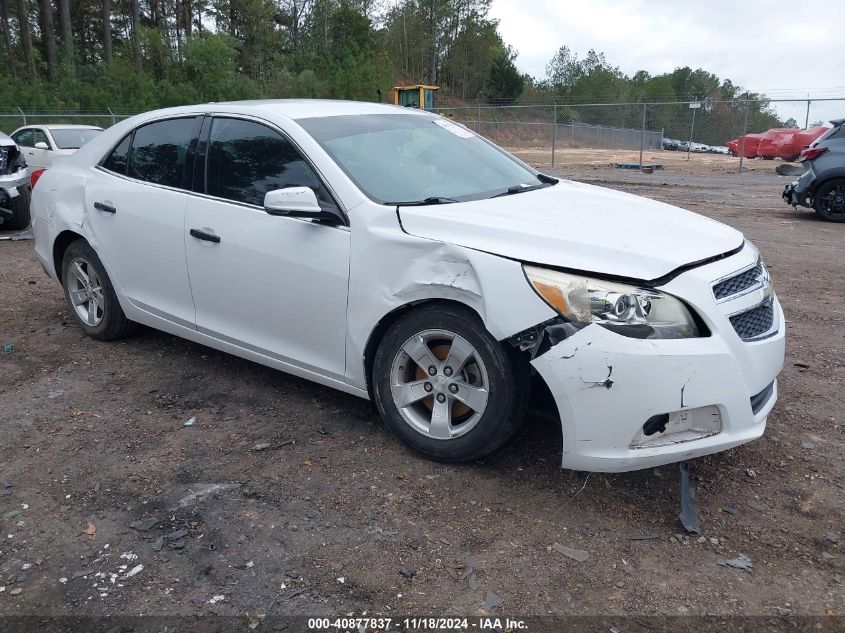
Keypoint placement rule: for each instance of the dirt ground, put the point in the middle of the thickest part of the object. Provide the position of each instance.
(317, 509)
(584, 159)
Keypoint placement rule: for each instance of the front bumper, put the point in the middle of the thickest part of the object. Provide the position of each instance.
(606, 386)
(800, 192)
(10, 189)
(9, 183)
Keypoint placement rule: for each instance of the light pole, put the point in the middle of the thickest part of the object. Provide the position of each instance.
(694, 106)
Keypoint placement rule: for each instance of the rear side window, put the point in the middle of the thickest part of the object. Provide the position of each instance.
(247, 159)
(159, 152)
(119, 158)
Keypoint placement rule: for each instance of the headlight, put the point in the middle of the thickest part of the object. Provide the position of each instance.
(624, 309)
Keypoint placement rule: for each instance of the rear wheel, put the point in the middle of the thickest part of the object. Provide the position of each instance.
(90, 294)
(19, 206)
(446, 387)
(830, 200)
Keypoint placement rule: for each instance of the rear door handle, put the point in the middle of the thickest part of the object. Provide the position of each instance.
(105, 208)
(208, 237)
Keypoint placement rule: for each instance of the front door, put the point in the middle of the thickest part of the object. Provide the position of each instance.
(275, 285)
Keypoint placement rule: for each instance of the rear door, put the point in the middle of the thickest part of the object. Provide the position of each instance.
(136, 202)
(276, 285)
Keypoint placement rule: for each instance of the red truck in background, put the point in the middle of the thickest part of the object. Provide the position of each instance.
(785, 143)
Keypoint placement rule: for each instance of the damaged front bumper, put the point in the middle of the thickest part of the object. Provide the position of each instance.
(800, 192)
(628, 403)
(10, 185)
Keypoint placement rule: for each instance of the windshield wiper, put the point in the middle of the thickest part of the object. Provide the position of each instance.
(522, 189)
(427, 201)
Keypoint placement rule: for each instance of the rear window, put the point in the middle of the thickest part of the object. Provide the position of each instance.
(72, 138)
(833, 134)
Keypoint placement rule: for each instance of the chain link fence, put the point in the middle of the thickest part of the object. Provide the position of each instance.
(693, 136)
(12, 119)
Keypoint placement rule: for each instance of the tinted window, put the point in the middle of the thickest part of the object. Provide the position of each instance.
(23, 138)
(119, 157)
(246, 160)
(38, 136)
(159, 151)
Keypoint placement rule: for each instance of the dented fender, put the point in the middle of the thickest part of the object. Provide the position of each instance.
(413, 269)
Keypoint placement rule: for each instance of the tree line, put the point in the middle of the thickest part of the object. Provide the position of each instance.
(142, 54)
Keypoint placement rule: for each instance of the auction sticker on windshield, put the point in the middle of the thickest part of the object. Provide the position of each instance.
(454, 128)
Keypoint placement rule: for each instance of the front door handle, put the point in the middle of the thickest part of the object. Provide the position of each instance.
(105, 208)
(208, 237)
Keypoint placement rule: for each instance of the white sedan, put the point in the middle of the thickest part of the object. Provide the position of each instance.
(396, 255)
(41, 144)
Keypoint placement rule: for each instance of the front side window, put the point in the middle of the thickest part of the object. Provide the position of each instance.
(397, 158)
(23, 138)
(39, 136)
(159, 152)
(247, 159)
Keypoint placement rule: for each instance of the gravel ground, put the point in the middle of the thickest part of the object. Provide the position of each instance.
(289, 498)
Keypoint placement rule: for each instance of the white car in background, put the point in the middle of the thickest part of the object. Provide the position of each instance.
(396, 255)
(41, 144)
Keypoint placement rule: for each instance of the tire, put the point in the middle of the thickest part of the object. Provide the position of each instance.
(768, 157)
(19, 206)
(829, 200)
(470, 432)
(108, 322)
(790, 159)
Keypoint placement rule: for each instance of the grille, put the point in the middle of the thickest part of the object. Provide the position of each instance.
(738, 283)
(755, 322)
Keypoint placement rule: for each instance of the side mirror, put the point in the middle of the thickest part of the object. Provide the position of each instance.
(294, 202)
(41, 145)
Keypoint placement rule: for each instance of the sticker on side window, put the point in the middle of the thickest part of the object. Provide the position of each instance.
(454, 128)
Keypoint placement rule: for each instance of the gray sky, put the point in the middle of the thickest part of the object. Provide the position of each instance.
(765, 46)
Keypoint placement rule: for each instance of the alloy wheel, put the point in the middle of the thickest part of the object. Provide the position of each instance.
(85, 291)
(439, 384)
(833, 200)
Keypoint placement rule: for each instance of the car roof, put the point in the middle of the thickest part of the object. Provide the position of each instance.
(310, 108)
(65, 126)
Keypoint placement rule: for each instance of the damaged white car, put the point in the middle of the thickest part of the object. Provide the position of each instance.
(396, 255)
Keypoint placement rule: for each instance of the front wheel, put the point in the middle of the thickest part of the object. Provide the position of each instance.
(830, 200)
(446, 387)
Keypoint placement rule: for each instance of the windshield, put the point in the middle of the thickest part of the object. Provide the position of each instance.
(403, 158)
(70, 138)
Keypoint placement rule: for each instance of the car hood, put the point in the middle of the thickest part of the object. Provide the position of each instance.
(580, 227)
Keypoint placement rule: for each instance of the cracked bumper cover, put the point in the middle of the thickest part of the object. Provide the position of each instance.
(799, 192)
(606, 386)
